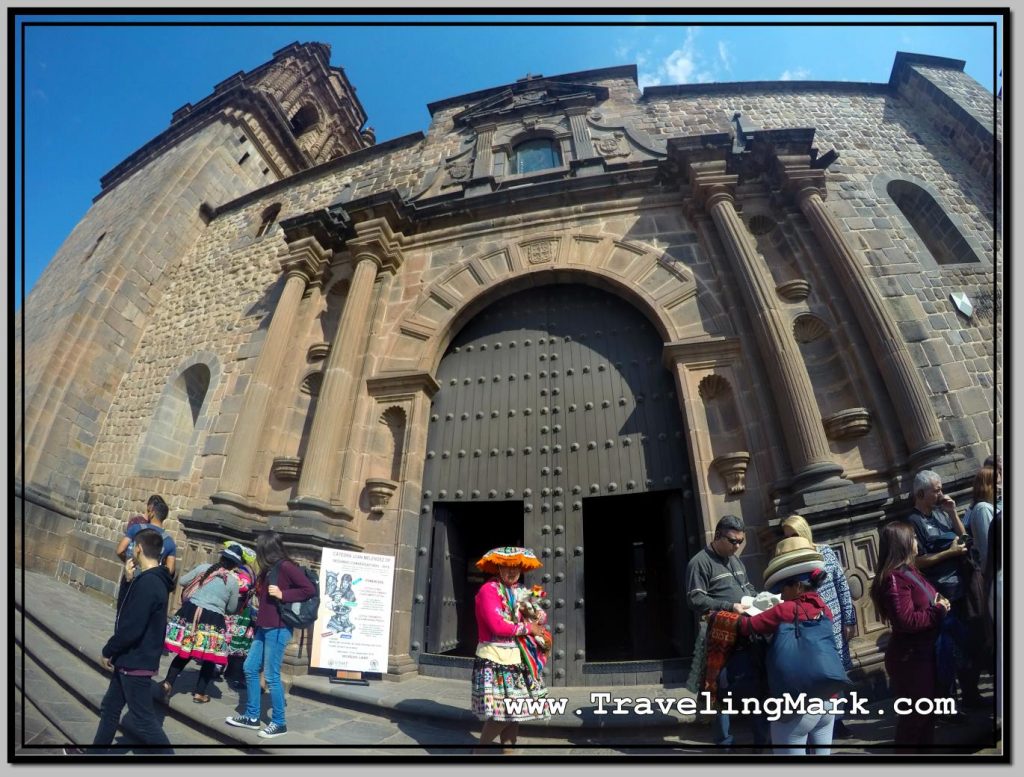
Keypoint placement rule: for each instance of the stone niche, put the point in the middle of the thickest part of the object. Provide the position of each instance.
(731, 456)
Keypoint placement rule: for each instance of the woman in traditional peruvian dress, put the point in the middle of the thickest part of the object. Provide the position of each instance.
(503, 670)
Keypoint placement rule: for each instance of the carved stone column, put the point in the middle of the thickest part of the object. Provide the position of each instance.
(375, 247)
(917, 419)
(580, 132)
(805, 439)
(302, 265)
(483, 164)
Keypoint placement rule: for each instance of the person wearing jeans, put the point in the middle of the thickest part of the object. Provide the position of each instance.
(803, 734)
(266, 655)
(135, 691)
(271, 636)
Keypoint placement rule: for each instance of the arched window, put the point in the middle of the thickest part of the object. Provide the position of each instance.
(534, 155)
(933, 226)
(174, 422)
(304, 120)
(268, 218)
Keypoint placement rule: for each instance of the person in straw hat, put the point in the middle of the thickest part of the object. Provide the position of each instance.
(499, 671)
(796, 572)
(835, 592)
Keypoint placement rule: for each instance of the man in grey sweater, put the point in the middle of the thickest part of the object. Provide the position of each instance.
(717, 580)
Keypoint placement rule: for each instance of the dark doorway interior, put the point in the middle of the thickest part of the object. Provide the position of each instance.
(635, 549)
(462, 534)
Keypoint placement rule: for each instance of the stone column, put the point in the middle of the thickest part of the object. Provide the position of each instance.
(805, 439)
(303, 263)
(917, 419)
(580, 133)
(482, 165)
(375, 247)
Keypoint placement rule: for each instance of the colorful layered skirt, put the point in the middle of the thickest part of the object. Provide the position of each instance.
(239, 630)
(198, 634)
(493, 684)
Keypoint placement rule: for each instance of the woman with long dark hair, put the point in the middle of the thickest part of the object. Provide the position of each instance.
(271, 636)
(914, 610)
(197, 629)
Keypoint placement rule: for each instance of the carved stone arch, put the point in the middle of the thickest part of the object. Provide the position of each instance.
(663, 290)
(306, 118)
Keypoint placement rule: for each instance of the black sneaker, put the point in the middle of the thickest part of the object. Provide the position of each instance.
(273, 730)
(243, 722)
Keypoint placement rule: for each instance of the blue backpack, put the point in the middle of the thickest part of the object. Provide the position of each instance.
(802, 658)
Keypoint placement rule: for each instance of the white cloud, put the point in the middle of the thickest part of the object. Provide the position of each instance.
(647, 79)
(800, 74)
(724, 56)
(684, 65)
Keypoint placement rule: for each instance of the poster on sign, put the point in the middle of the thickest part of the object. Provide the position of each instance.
(354, 625)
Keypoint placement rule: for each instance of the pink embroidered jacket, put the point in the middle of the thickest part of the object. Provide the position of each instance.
(495, 622)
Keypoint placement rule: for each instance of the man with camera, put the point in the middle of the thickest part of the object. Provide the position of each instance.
(943, 547)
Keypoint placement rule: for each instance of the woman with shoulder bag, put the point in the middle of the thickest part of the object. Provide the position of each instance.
(197, 629)
(272, 636)
(813, 665)
(914, 610)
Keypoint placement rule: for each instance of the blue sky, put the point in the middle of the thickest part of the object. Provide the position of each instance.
(94, 94)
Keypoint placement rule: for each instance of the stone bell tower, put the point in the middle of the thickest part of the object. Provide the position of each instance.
(83, 323)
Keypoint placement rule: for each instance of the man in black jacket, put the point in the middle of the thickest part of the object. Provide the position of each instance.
(133, 653)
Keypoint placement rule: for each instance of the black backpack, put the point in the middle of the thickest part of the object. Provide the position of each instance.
(298, 615)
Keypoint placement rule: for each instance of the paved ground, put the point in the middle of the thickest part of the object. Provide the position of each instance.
(64, 630)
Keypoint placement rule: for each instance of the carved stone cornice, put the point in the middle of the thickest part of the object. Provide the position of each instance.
(330, 226)
(706, 350)
(711, 183)
(797, 178)
(305, 258)
(402, 383)
(377, 241)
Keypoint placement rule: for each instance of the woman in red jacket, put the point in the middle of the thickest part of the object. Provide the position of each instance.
(905, 600)
(271, 637)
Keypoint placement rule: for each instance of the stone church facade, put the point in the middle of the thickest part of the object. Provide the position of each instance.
(573, 314)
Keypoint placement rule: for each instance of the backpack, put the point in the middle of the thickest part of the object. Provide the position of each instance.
(802, 658)
(298, 615)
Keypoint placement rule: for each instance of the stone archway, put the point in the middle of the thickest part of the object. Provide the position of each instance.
(663, 290)
(557, 425)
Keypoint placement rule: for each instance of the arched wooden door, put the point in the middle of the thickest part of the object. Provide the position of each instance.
(557, 425)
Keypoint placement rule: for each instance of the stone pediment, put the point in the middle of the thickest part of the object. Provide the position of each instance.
(531, 95)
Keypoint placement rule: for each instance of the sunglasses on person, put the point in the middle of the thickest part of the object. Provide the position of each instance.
(735, 542)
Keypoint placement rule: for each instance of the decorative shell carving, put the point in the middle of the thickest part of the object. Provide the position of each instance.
(311, 384)
(713, 386)
(761, 224)
(847, 424)
(808, 328)
(795, 290)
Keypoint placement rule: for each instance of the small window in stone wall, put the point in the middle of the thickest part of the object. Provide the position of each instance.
(535, 155)
(173, 425)
(933, 226)
(268, 218)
